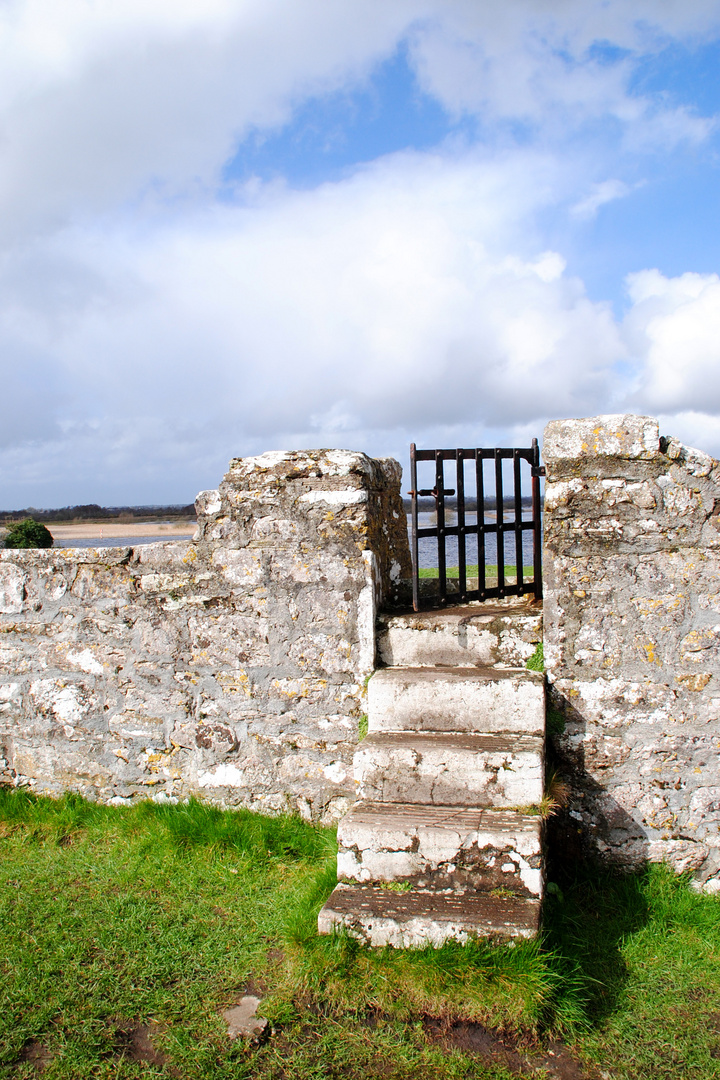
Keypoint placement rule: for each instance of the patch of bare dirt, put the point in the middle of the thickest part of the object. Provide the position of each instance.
(516, 1055)
(259, 987)
(133, 1040)
(244, 1023)
(36, 1055)
(713, 1024)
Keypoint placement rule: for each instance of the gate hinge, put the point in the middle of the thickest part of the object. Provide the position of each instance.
(537, 470)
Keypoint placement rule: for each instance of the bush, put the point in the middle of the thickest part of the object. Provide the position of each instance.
(28, 534)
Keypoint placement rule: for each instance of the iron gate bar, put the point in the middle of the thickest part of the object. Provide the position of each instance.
(517, 481)
(440, 505)
(480, 493)
(414, 528)
(500, 527)
(487, 453)
(499, 521)
(462, 579)
(536, 472)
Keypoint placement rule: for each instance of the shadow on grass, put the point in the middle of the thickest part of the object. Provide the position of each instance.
(589, 912)
(591, 906)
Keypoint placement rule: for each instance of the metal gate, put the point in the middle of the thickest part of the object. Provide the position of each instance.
(514, 516)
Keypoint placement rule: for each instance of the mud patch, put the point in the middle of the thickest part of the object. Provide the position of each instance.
(713, 1024)
(133, 1040)
(553, 1060)
(244, 1023)
(36, 1055)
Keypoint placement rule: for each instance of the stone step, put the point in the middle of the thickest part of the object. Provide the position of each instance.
(456, 699)
(441, 847)
(418, 918)
(504, 632)
(438, 769)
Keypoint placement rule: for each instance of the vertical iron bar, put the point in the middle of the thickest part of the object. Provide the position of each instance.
(537, 523)
(462, 573)
(440, 506)
(480, 517)
(500, 520)
(517, 483)
(414, 527)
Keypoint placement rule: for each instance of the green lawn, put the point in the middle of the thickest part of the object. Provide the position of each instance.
(163, 916)
(491, 571)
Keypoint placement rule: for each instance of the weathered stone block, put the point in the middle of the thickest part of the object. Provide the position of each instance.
(441, 847)
(418, 919)
(228, 640)
(466, 636)
(457, 699)
(620, 436)
(12, 589)
(450, 770)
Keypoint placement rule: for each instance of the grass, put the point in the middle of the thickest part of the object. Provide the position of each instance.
(167, 914)
(491, 571)
(537, 661)
(648, 950)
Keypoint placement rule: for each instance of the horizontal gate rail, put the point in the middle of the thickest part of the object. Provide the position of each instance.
(481, 527)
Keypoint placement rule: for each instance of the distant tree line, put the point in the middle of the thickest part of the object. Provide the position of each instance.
(93, 512)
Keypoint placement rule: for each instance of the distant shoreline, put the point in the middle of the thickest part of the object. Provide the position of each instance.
(108, 530)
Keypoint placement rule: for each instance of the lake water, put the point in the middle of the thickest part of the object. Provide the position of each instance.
(428, 546)
(120, 541)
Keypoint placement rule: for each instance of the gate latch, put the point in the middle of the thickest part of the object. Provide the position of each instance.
(434, 492)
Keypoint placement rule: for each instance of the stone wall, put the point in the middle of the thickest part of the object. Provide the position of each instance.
(232, 667)
(632, 639)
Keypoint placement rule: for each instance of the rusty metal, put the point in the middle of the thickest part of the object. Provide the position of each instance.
(482, 527)
(535, 473)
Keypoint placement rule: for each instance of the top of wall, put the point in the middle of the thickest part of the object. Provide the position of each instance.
(602, 445)
(613, 481)
(566, 443)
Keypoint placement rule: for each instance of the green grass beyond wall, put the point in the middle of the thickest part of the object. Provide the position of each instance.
(160, 917)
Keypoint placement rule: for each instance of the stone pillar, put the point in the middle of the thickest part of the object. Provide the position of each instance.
(632, 639)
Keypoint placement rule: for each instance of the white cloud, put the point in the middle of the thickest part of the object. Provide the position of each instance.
(383, 300)
(150, 326)
(102, 102)
(694, 428)
(673, 329)
(604, 192)
(558, 65)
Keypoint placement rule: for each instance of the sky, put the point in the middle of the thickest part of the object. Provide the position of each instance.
(231, 226)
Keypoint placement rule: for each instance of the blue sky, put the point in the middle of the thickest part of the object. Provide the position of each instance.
(330, 134)
(662, 222)
(239, 225)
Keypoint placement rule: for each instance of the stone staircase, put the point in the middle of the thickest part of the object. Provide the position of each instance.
(441, 844)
